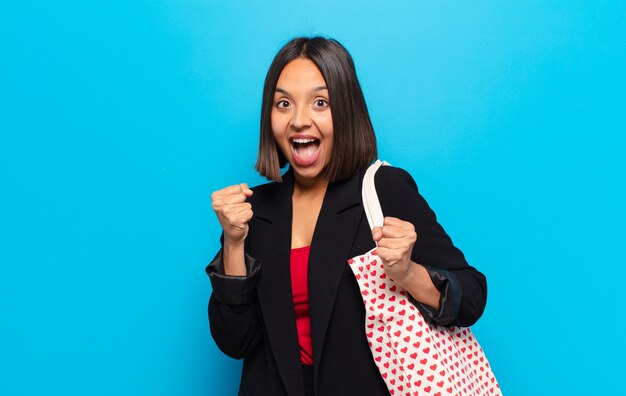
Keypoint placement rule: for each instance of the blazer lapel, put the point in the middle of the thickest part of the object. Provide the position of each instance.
(334, 235)
(274, 289)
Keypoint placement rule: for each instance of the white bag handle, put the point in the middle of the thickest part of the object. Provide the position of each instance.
(371, 204)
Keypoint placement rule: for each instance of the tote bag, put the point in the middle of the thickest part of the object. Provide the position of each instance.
(413, 357)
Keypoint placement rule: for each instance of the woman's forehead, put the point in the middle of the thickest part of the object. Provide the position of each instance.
(302, 75)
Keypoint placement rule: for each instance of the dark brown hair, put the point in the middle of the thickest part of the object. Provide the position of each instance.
(354, 142)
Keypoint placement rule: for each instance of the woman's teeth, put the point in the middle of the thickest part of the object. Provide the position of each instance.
(303, 141)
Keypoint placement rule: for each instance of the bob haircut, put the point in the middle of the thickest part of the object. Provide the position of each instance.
(354, 142)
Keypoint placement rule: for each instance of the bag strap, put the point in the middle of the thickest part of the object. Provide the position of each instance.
(371, 204)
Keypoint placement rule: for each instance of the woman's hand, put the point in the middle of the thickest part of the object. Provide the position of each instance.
(233, 212)
(395, 243)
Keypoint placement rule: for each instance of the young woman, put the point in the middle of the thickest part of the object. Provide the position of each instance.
(284, 298)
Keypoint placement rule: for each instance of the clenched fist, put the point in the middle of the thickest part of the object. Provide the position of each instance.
(395, 243)
(233, 212)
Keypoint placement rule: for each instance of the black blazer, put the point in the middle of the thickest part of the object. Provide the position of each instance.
(253, 317)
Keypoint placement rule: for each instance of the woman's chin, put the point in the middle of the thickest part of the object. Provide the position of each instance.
(309, 173)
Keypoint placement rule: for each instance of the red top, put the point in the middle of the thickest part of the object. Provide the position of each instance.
(299, 263)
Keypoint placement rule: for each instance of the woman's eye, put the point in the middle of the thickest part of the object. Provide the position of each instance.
(321, 103)
(282, 104)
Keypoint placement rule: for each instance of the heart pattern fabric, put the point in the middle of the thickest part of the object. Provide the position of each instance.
(414, 357)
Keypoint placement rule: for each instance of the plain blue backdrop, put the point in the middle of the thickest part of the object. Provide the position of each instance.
(119, 118)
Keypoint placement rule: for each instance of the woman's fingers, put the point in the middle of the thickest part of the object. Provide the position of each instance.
(394, 232)
(240, 220)
(231, 199)
(237, 189)
(246, 190)
(377, 233)
(395, 243)
(230, 190)
(232, 210)
(407, 232)
(389, 256)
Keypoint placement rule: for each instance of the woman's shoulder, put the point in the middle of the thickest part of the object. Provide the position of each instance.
(272, 190)
(391, 177)
(266, 190)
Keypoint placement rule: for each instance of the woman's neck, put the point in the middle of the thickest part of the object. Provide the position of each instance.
(309, 187)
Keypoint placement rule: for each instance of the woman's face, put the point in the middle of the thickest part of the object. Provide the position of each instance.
(302, 123)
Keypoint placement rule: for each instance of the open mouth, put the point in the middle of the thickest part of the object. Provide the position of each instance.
(305, 150)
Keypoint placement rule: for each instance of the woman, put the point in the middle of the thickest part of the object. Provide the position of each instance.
(283, 297)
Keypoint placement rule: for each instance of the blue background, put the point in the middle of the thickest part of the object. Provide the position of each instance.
(119, 118)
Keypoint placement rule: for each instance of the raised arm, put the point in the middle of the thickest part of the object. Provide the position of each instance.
(462, 289)
(233, 314)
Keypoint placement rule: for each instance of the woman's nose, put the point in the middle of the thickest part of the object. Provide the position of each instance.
(301, 118)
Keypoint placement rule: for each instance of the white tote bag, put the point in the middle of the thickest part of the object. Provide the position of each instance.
(413, 357)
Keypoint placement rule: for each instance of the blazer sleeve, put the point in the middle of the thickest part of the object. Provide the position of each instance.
(463, 288)
(233, 316)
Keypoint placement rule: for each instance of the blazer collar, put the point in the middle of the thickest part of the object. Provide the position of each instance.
(340, 196)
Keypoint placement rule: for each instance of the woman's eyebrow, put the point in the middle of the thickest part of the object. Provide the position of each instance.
(283, 91)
